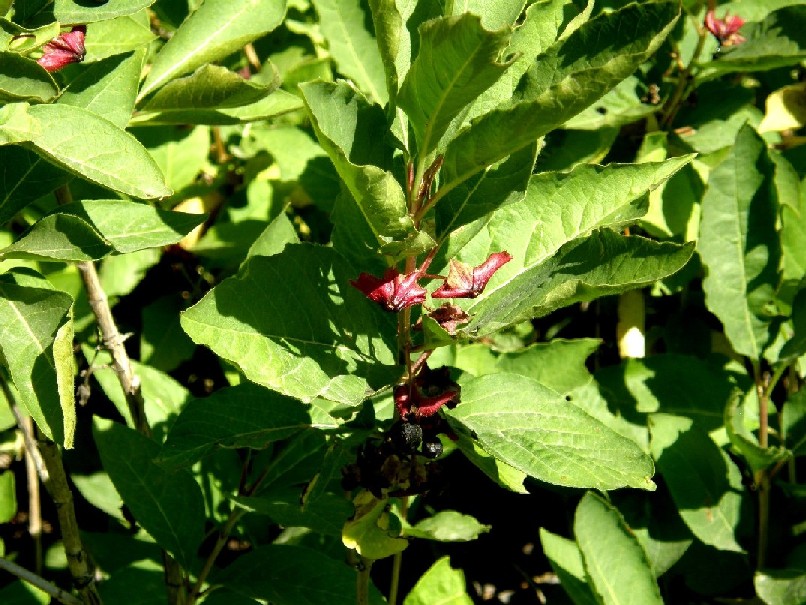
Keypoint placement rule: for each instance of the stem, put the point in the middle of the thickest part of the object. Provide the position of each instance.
(39, 582)
(221, 541)
(362, 581)
(762, 477)
(33, 463)
(685, 84)
(129, 381)
(56, 484)
(397, 561)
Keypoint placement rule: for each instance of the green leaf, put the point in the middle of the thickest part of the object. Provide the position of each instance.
(739, 244)
(59, 237)
(566, 561)
(759, 458)
(8, 497)
(447, 526)
(781, 586)
(558, 364)
(604, 263)
(168, 505)
(22, 593)
(600, 532)
(704, 482)
(571, 75)
(75, 11)
(440, 584)
(216, 29)
(140, 583)
(371, 531)
(299, 576)
(347, 128)
(22, 79)
(209, 87)
(242, 416)
(276, 104)
(180, 153)
(394, 42)
(17, 125)
(132, 226)
(107, 88)
(352, 47)
(21, 40)
(36, 344)
(293, 323)
(457, 61)
(536, 430)
(117, 36)
(99, 491)
(494, 15)
(111, 158)
(24, 178)
(793, 423)
(503, 474)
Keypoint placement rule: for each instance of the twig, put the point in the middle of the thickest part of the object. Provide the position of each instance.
(40, 582)
(56, 484)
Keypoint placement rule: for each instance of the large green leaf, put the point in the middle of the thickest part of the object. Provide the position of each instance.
(739, 244)
(354, 49)
(209, 87)
(168, 505)
(617, 580)
(87, 145)
(24, 178)
(293, 323)
(347, 128)
(571, 75)
(59, 237)
(22, 79)
(539, 432)
(36, 345)
(440, 584)
(242, 416)
(458, 60)
(72, 11)
(394, 42)
(566, 561)
(494, 15)
(299, 576)
(781, 586)
(603, 263)
(217, 29)
(108, 88)
(704, 482)
(117, 36)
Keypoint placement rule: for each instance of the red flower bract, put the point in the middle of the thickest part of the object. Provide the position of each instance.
(67, 48)
(393, 291)
(431, 390)
(464, 281)
(725, 30)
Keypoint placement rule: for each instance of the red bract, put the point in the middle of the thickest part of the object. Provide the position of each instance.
(449, 317)
(464, 281)
(394, 291)
(67, 48)
(725, 30)
(431, 390)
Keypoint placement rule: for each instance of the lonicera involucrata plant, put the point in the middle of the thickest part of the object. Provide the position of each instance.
(277, 279)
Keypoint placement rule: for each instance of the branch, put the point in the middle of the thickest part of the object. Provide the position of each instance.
(40, 582)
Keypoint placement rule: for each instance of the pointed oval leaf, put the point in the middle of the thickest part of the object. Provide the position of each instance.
(447, 526)
(25, 177)
(292, 323)
(739, 243)
(440, 584)
(117, 36)
(242, 416)
(73, 11)
(168, 505)
(539, 432)
(95, 149)
(352, 47)
(705, 484)
(566, 561)
(618, 580)
(291, 581)
(59, 237)
(217, 29)
(457, 61)
(36, 344)
(22, 79)
(131, 226)
(571, 75)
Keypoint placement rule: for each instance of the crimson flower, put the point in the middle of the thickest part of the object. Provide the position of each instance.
(725, 30)
(464, 281)
(394, 291)
(431, 390)
(67, 48)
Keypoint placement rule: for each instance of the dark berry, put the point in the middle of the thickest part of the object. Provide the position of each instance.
(432, 448)
(406, 436)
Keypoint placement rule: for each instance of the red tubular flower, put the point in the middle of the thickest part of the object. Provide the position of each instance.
(431, 390)
(464, 281)
(67, 48)
(393, 292)
(725, 30)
